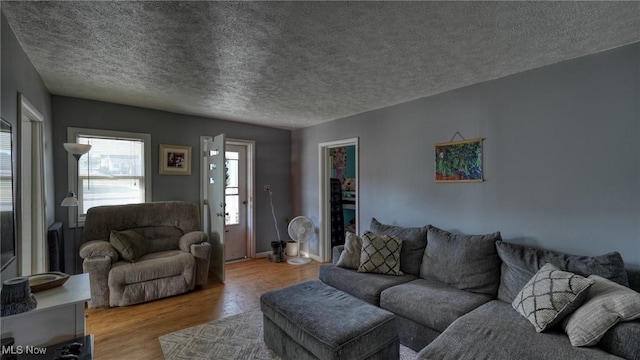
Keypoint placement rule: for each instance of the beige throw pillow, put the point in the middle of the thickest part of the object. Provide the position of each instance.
(607, 304)
(380, 254)
(350, 256)
(130, 244)
(550, 295)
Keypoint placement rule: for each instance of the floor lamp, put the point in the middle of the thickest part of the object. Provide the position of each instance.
(71, 200)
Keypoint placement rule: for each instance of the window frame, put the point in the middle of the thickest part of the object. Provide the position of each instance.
(72, 136)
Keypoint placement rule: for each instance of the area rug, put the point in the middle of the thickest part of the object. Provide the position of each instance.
(234, 337)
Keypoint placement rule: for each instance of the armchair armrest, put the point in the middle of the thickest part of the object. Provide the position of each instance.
(98, 248)
(98, 268)
(197, 243)
(192, 238)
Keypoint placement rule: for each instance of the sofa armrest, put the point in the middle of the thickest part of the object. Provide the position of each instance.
(192, 238)
(337, 250)
(623, 340)
(98, 248)
(98, 268)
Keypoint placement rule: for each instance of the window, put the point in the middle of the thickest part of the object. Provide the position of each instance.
(115, 171)
(232, 196)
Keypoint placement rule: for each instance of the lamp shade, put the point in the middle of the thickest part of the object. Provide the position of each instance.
(76, 149)
(70, 200)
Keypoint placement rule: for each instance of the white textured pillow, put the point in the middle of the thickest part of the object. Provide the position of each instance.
(607, 304)
(550, 295)
(350, 256)
(380, 254)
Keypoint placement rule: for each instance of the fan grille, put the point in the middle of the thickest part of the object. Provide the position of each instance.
(301, 228)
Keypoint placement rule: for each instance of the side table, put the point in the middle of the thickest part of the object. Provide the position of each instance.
(58, 317)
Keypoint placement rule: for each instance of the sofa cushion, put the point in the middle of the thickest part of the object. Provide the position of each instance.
(607, 303)
(519, 263)
(494, 331)
(161, 238)
(365, 286)
(155, 275)
(380, 254)
(414, 240)
(550, 295)
(430, 303)
(350, 256)
(622, 340)
(129, 244)
(466, 262)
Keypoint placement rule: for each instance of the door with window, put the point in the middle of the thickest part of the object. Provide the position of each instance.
(236, 202)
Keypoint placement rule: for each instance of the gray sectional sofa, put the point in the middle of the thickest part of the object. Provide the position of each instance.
(454, 298)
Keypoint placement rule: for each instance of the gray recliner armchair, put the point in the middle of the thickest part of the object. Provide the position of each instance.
(159, 251)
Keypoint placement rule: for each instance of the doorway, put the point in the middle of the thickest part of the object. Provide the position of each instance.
(237, 201)
(338, 186)
(31, 216)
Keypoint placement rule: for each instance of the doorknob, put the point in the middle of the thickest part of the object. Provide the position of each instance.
(222, 214)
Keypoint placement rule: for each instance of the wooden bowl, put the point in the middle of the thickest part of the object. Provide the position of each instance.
(46, 281)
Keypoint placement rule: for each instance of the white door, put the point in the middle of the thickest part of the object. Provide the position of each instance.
(236, 200)
(213, 203)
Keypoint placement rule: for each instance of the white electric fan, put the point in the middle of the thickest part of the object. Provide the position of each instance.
(300, 229)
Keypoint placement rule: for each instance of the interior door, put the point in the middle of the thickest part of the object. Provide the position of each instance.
(236, 202)
(213, 204)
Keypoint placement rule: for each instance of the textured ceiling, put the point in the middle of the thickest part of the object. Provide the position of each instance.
(296, 64)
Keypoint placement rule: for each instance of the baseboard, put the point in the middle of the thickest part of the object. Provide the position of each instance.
(311, 256)
(263, 254)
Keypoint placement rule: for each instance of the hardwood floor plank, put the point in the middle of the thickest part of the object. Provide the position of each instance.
(132, 332)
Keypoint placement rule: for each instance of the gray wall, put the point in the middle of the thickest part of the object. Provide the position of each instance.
(272, 148)
(19, 76)
(561, 158)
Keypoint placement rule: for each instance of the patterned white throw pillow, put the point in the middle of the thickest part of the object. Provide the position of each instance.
(550, 295)
(380, 254)
(607, 304)
(350, 256)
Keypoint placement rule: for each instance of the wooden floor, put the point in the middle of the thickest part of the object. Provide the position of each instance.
(132, 332)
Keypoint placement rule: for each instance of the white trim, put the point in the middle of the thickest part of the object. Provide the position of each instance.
(311, 256)
(324, 228)
(72, 177)
(264, 254)
(32, 252)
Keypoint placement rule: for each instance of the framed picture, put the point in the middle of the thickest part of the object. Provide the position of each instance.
(175, 160)
(459, 161)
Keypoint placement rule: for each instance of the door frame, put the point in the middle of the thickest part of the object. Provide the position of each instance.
(31, 220)
(324, 170)
(250, 146)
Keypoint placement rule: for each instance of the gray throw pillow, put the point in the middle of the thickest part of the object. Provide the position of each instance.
(414, 240)
(380, 254)
(130, 245)
(350, 256)
(550, 295)
(466, 262)
(607, 304)
(519, 263)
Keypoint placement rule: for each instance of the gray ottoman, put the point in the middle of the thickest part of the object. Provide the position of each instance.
(312, 320)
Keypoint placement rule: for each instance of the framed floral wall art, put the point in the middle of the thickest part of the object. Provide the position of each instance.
(459, 161)
(175, 160)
